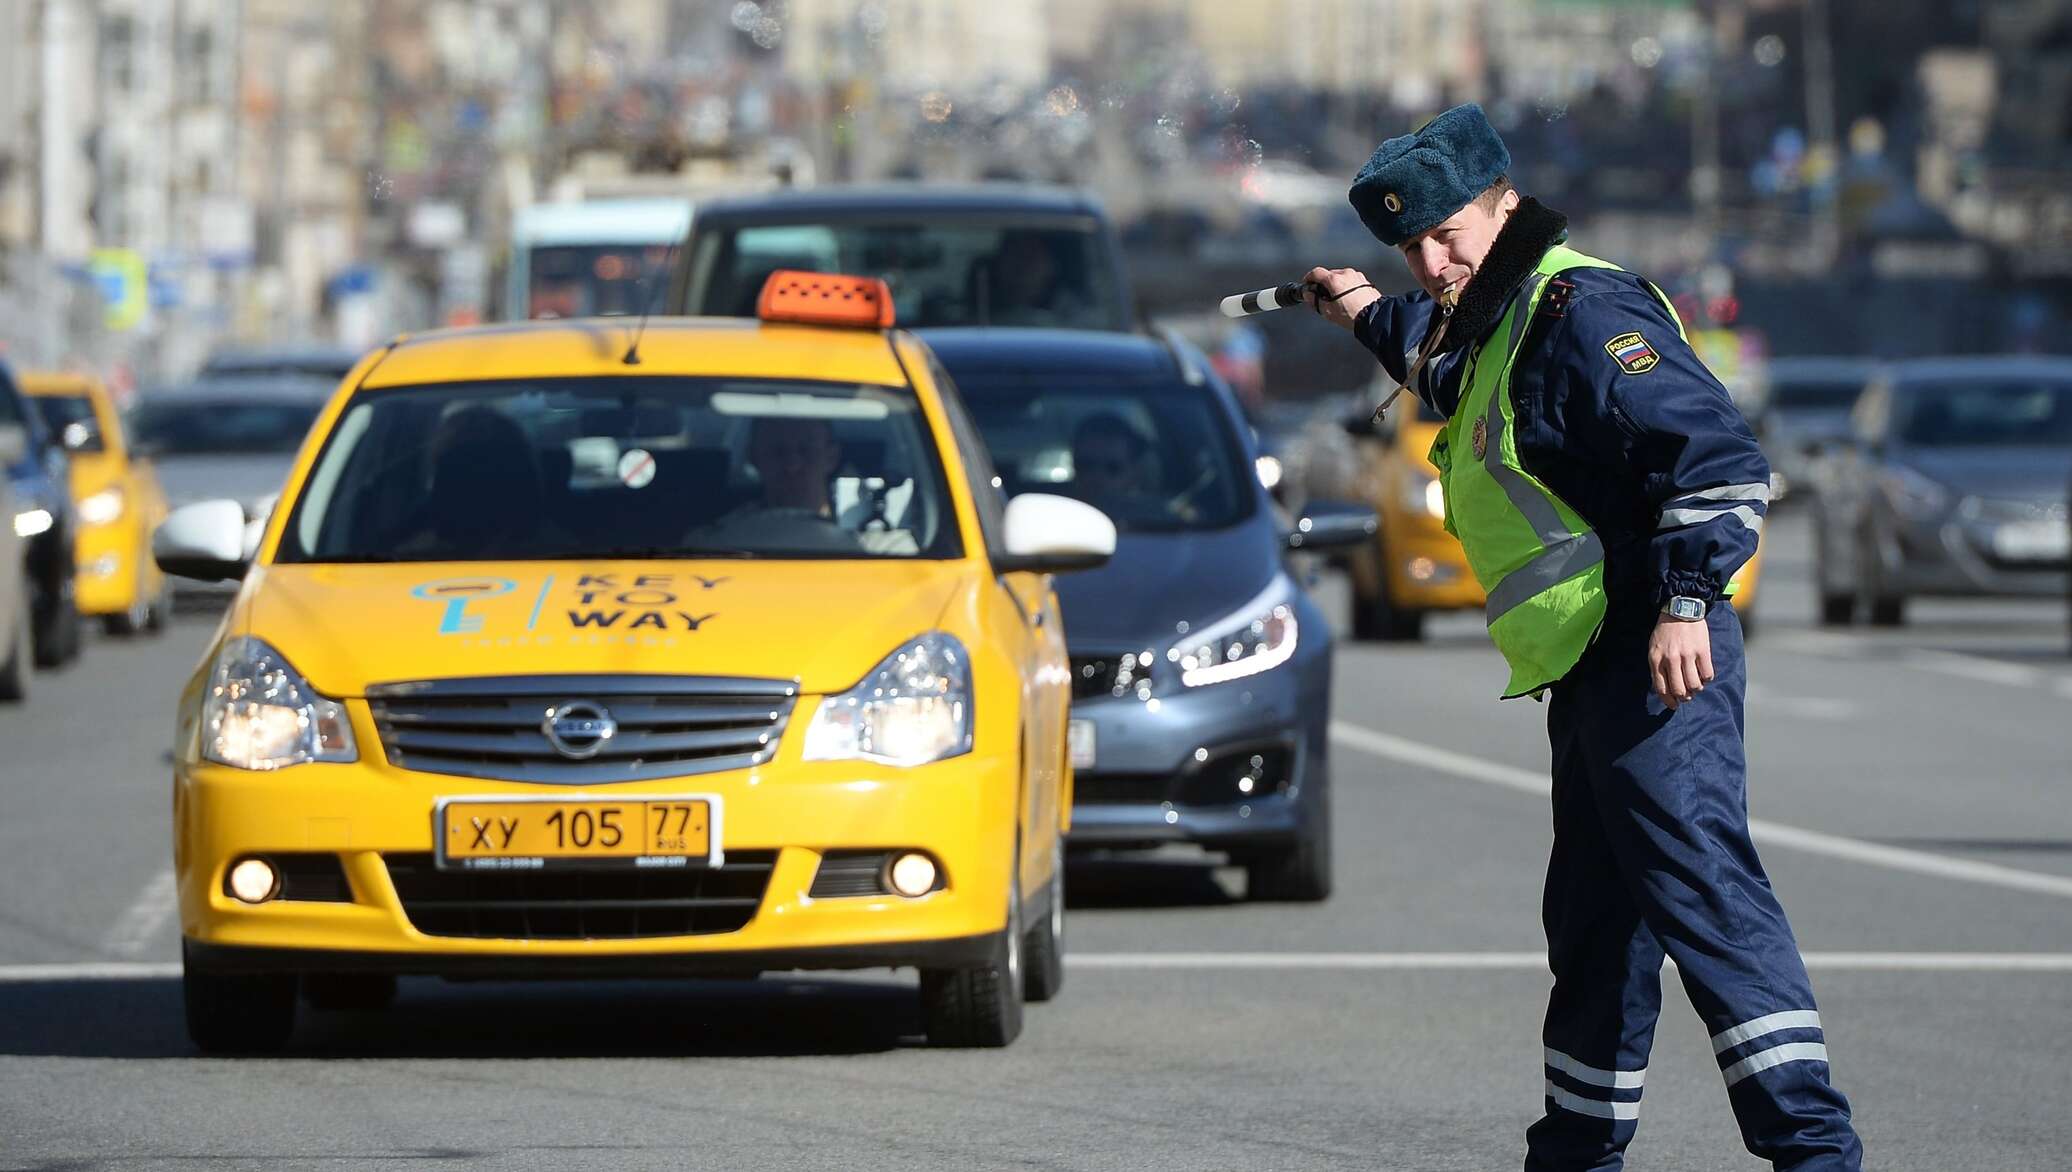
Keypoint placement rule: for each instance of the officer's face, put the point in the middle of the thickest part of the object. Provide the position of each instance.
(1453, 251)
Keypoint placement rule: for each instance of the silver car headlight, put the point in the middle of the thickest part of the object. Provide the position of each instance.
(1259, 636)
(911, 709)
(260, 713)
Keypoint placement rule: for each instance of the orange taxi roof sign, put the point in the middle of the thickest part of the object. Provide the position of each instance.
(825, 299)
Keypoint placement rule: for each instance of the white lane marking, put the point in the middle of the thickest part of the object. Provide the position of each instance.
(1536, 962)
(1808, 707)
(1861, 962)
(1769, 833)
(154, 906)
(107, 970)
(1974, 667)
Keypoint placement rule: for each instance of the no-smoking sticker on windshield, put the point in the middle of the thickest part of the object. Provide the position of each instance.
(636, 468)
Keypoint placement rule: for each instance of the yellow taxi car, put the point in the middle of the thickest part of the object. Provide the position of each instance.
(588, 647)
(1413, 566)
(117, 500)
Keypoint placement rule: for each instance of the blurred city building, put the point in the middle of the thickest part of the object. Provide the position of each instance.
(1806, 172)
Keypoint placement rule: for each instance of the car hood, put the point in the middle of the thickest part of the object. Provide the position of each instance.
(1156, 581)
(247, 479)
(823, 624)
(2023, 473)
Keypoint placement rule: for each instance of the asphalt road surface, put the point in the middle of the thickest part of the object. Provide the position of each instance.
(1911, 789)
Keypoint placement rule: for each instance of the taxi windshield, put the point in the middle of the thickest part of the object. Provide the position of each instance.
(642, 467)
(1154, 456)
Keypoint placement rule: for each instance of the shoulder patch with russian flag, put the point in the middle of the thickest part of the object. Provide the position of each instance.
(1632, 353)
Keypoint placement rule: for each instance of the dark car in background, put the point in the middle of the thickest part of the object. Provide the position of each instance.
(1807, 413)
(40, 477)
(989, 254)
(226, 436)
(1953, 483)
(317, 361)
(15, 614)
(1201, 670)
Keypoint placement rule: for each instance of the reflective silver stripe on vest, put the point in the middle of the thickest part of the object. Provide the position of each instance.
(1566, 554)
(1569, 1101)
(1775, 1056)
(1748, 1031)
(1759, 492)
(1584, 1072)
(1678, 518)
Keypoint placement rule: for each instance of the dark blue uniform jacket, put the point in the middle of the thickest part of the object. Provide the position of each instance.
(1659, 461)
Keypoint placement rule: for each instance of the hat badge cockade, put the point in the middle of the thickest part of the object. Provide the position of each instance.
(1393, 202)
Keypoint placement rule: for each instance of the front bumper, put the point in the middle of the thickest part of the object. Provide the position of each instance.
(1225, 765)
(1956, 556)
(109, 578)
(376, 822)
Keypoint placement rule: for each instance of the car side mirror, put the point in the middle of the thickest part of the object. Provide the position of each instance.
(14, 444)
(1048, 534)
(1332, 525)
(204, 541)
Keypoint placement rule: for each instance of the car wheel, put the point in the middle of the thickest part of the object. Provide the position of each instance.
(1392, 623)
(363, 992)
(1043, 946)
(57, 634)
(238, 1013)
(161, 611)
(1886, 610)
(14, 670)
(1837, 610)
(979, 1007)
(1298, 873)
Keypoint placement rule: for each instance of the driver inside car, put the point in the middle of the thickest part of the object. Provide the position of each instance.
(795, 460)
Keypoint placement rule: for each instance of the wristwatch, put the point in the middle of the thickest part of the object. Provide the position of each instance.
(1685, 609)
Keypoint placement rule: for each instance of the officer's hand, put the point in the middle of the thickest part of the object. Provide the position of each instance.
(1679, 660)
(1338, 306)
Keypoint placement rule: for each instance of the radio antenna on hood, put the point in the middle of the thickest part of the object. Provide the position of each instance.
(647, 307)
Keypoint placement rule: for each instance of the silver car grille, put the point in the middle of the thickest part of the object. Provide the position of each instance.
(660, 726)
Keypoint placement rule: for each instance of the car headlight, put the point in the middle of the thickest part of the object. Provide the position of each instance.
(1914, 495)
(1269, 468)
(260, 713)
(32, 522)
(911, 709)
(1259, 636)
(1423, 494)
(102, 507)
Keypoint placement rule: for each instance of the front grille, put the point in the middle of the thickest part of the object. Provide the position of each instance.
(581, 905)
(1116, 675)
(666, 726)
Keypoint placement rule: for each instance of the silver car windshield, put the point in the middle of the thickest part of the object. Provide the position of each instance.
(2002, 413)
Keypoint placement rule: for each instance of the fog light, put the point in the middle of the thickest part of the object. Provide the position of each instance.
(912, 875)
(254, 881)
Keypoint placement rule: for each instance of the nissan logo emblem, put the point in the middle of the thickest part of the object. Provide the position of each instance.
(578, 729)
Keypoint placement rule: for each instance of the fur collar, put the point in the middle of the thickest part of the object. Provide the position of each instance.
(1532, 229)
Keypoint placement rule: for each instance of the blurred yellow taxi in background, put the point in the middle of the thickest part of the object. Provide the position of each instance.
(599, 647)
(117, 500)
(1414, 566)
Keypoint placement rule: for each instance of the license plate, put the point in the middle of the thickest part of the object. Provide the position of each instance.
(2037, 541)
(508, 834)
(1079, 738)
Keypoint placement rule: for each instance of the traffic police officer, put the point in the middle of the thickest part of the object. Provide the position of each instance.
(1605, 489)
